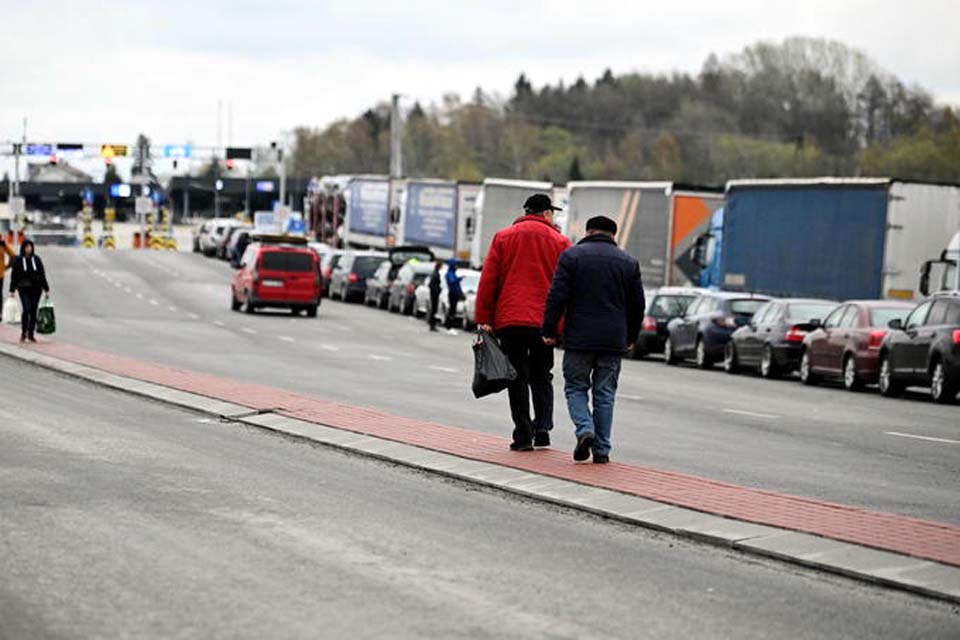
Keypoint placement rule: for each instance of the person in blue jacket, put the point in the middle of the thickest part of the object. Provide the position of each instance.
(454, 292)
(598, 292)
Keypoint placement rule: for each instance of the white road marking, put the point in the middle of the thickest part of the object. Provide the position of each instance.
(154, 302)
(627, 396)
(139, 296)
(916, 437)
(444, 369)
(193, 316)
(116, 284)
(286, 338)
(172, 308)
(329, 347)
(127, 290)
(374, 356)
(248, 330)
(219, 323)
(752, 414)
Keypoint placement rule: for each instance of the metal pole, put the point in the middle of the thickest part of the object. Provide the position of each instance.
(246, 206)
(396, 138)
(283, 173)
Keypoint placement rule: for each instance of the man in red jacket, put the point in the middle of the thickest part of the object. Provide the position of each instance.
(511, 298)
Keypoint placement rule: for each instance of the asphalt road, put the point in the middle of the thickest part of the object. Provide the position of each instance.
(858, 449)
(121, 517)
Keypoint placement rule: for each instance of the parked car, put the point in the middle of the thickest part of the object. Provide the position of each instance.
(403, 290)
(199, 231)
(285, 275)
(239, 234)
(210, 242)
(845, 345)
(469, 283)
(378, 285)
(470, 311)
(663, 305)
(924, 350)
(773, 340)
(703, 331)
(328, 263)
(349, 279)
(230, 237)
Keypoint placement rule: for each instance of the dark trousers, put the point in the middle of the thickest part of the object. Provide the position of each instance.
(29, 300)
(533, 361)
(452, 300)
(434, 306)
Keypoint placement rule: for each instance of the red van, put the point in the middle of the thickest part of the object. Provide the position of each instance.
(283, 274)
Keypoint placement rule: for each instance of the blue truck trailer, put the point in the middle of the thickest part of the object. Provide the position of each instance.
(838, 238)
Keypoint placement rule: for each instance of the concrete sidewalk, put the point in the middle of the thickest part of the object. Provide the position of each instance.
(912, 554)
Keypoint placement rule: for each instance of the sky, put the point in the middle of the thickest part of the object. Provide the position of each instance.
(101, 72)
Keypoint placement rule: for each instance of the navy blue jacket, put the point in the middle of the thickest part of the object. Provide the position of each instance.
(598, 291)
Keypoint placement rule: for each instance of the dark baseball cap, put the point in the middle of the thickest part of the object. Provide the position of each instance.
(539, 202)
(602, 223)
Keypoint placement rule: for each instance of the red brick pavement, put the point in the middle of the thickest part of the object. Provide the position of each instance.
(890, 532)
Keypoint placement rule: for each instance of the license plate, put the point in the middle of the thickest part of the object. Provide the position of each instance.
(273, 283)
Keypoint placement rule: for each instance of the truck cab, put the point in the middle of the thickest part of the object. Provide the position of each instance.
(944, 273)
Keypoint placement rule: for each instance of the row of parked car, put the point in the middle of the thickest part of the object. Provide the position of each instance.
(889, 343)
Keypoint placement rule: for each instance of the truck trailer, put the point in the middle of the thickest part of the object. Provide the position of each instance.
(428, 215)
(659, 223)
(499, 203)
(838, 238)
(368, 212)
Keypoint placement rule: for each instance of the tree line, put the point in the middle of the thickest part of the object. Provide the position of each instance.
(802, 107)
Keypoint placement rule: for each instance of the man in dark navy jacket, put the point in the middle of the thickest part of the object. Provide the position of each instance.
(598, 291)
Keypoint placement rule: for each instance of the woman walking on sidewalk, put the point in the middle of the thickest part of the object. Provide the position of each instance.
(29, 280)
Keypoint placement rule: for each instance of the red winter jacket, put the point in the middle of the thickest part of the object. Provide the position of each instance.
(517, 273)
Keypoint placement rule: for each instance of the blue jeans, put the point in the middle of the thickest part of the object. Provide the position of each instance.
(589, 371)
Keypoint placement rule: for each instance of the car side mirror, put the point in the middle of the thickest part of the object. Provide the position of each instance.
(925, 278)
(816, 323)
(896, 324)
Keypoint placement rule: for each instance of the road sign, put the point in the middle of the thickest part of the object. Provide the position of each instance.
(177, 151)
(218, 184)
(18, 206)
(120, 190)
(38, 149)
(239, 153)
(113, 150)
(143, 205)
(265, 186)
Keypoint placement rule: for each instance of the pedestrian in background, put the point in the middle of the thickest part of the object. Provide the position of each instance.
(435, 287)
(7, 256)
(29, 279)
(511, 296)
(597, 291)
(454, 292)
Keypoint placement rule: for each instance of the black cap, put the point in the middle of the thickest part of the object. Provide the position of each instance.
(602, 223)
(538, 203)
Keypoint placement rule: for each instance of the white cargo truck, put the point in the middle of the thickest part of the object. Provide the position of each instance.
(499, 203)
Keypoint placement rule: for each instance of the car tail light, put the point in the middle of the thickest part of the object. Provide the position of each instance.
(353, 278)
(727, 322)
(876, 339)
(956, 336)
(649, 323)
(795, 334)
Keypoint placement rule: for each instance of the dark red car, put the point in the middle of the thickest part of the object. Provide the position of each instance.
(846, 344)
(277, 273)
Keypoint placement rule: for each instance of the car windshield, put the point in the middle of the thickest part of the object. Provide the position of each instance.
(402, 257)
(803, 311)
(881, 316)
(365, 266)
(286, 261)
(671, 306)
(746, 307)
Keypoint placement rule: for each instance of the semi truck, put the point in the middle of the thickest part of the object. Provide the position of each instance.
(949, 269)
(368, 211)
(428, 215)
(499, 203)
(659, 223)
(838, 238)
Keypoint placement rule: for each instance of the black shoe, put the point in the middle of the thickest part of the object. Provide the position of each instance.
(521, 446)
(541, 439)
(584, 444)
(601, 458)
(31, 338)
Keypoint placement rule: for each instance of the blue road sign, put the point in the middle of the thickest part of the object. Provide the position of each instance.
(36, 149)
(177, 151)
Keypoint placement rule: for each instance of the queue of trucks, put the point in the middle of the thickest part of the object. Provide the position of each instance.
(838, 238)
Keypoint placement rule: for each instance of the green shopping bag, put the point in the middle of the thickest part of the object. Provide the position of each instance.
(46, 318)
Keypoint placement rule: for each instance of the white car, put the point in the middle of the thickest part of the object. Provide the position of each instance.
(215, 234)
(470, 311)
(469, 283)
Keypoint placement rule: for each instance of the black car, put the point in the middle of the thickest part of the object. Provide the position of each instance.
(349, 279)
(704, 330)
(378, 285)
(924, 350)
(773, 340)
(663, 305)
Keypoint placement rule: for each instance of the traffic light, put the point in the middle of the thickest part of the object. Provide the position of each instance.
(229, 164)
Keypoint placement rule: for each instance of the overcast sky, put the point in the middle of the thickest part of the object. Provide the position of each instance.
(91, 71)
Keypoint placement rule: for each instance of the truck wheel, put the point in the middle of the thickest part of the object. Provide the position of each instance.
(768, 366)
(703, 360)
(668, 356)
(942, 389)
(889, 387)
(851, 379)
(807, 376)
